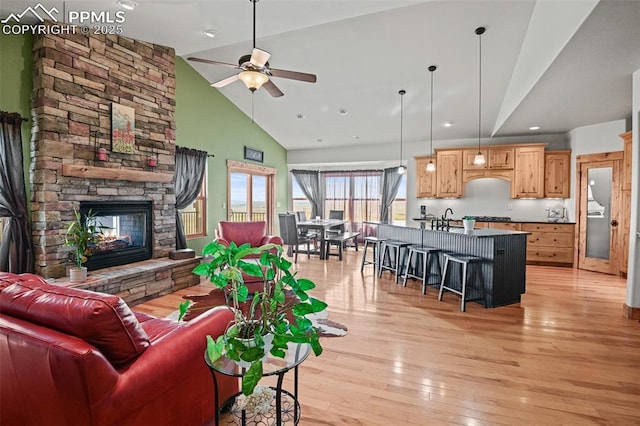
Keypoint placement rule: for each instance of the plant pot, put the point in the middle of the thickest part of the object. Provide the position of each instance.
(268, 344)
(78, 275)
(468, 224)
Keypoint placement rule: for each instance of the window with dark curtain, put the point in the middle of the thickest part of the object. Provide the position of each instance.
(191, 165)
(16, 247)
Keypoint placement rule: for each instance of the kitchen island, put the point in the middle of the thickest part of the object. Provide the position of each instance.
(503, 254)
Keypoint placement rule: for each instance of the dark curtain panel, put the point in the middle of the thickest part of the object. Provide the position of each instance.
(16, 249)
(309, 183)
(390, 184)
(190, 167)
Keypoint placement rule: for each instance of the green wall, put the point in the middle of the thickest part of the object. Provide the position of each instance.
(205, 120)
(208, 121)
(16, 83)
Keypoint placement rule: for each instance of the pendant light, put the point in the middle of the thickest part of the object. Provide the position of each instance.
(431, 167)
(479, 158)
(401, 168)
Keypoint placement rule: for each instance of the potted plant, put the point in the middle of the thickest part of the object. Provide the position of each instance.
(267, 320)
(468, 222)
(81, 234)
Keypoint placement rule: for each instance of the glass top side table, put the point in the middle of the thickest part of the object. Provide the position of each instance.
(287, 407)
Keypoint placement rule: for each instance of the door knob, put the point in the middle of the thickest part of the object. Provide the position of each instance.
(614, 222)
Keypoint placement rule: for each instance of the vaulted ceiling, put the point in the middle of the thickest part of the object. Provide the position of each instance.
(553, 64)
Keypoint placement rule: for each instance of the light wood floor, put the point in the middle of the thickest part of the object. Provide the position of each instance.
(564, 355)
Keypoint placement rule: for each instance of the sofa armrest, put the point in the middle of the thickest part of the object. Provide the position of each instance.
(223, 241)
(173, 369)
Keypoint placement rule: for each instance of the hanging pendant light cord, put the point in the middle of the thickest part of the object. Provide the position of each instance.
(254, 22)
(402, 92)
(480, 88)
(431, 68)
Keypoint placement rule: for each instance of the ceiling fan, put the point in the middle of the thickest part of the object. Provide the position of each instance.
(256, 71)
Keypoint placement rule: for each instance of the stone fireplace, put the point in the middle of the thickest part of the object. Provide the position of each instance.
(76, 80)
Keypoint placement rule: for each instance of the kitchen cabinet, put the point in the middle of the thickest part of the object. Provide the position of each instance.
(449, 173)
(557, 174)
(625, 201)
(497, 158)
(528, 180)
(550, 243)
(425, 181)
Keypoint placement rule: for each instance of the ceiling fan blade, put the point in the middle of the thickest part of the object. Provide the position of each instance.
(293, 75)
(272, 89)
(208, 61)
(259, 57)
(225, 81)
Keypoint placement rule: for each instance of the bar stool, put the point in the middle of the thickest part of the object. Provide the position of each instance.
(427, 254)
(394, 266)
(465, 260)
(376, 243)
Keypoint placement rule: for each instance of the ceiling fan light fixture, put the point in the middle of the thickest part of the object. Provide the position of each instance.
(253, 79)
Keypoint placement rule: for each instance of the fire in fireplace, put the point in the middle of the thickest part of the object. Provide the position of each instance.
(128, 235)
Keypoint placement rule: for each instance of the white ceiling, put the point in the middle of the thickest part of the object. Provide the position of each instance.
(555, 64)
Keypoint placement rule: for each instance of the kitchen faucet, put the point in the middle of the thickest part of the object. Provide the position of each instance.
(444, 216)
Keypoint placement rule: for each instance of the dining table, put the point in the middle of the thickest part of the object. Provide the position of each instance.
(321, 225)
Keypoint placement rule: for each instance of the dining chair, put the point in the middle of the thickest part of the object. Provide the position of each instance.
(291, 237)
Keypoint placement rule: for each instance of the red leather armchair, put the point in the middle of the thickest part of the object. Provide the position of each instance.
(76, 357)
(254, 233)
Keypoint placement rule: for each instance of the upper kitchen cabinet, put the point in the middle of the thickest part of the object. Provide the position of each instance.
(426, 181)
(557, 174)
(498, 158)
(449, 173)
(528, 179)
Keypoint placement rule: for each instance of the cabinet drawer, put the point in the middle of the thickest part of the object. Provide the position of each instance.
(505, 225)
(550, 254)
(548, 227)
(550, 239)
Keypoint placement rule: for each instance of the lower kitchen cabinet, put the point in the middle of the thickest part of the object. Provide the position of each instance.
(550, 243)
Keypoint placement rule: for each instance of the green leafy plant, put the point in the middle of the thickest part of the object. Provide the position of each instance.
(81, 234)
(468, 218)
(280, 307)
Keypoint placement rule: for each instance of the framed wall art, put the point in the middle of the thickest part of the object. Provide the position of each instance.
(253, 154)
(123, 129)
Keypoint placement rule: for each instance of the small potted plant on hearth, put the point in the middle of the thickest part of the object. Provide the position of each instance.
(81, 234)
(265, 321)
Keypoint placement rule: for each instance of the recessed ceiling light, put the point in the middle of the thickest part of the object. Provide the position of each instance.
(534, 128)
(209, 33)
(356, 137)
(127, 4)
(447, 123)
(319, 140)
(300, 116)
(342, 111)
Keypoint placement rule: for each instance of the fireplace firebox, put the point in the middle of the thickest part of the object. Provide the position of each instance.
(128, 236)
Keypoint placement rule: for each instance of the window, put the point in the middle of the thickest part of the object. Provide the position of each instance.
(194, 216)
(398, 213)
(250, 195)
(300, 201)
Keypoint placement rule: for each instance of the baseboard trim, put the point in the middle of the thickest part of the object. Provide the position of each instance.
(631, 312)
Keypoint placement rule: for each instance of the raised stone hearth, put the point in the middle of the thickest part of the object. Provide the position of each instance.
(141, 281)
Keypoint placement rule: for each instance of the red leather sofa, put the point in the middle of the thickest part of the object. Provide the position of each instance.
(254, 233)
(76, 357)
